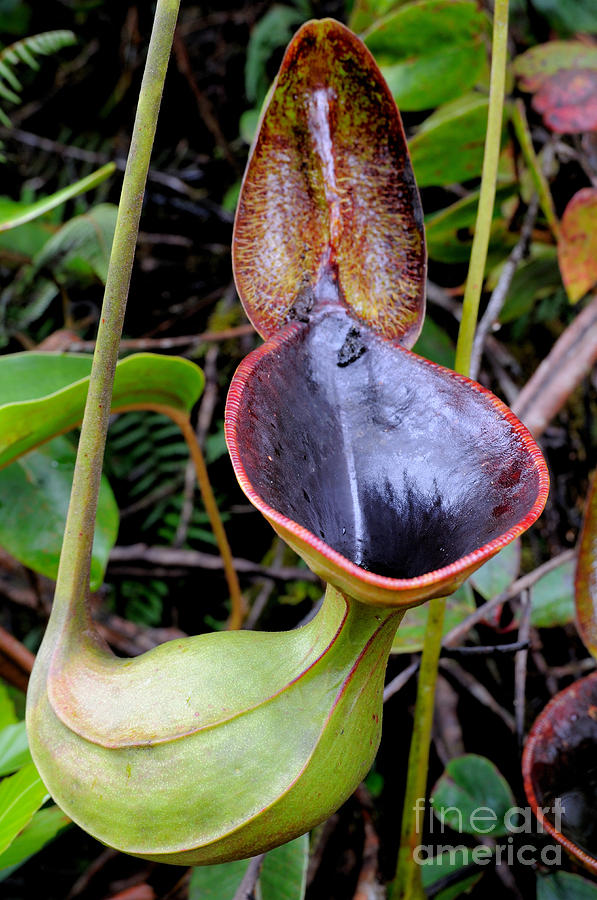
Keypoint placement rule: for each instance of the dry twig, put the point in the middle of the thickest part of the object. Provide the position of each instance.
(569, 361)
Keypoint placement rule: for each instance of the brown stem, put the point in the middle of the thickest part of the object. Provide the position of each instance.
(238, 610)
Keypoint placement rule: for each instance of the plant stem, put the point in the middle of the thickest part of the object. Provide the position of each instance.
(407, 883)
(476, 272)
(73, 575)
(523, 134)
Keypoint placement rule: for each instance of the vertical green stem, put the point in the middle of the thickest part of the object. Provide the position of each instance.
(73, 574)
(476, 272)
(523, 134)
(407, 883)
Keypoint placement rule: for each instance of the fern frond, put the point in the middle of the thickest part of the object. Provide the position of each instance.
(25, 51)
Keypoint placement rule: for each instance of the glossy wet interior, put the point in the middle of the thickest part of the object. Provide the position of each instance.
(564, 763)
(393, 463)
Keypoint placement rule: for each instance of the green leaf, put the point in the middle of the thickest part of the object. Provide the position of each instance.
(434, 344)
(8, 714)
(472, 797)
(450, 231)
(34, 496)
(20, 796)
(14, 16)
(569, 17)
(14, 748)
(45, 825)
(217, 882)
(272, 31)
(430, 52)
(23, 242)
(410, 635)
(553, 598)
(565, 886)
(448, 147)
(449, 863)
(283, 875)
(25, 212)
(366, 13)
(43, 394)
(499, 572)
(284, 871)
(534, 280)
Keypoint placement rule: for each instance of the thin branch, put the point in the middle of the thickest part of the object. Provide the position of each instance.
(488, 650)
(205, 108)
(478, 691)
(194, 559)
(520, 665)
(566, 365)
(397, 683)
(246, 889)
(169, 343)
(15, 651)
(459, 632)
(89, 156)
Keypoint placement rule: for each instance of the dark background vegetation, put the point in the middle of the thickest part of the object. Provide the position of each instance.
(82, 107)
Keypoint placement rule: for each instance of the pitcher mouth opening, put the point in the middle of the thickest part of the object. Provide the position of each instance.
(383, 462)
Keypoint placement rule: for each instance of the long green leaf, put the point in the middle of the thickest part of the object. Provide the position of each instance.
(43, 827)
(8, 715)
(14, 748)
(34, 496)
(430, 52)
(20, 796)
(217, 882)
(448, 147)
(565, 886)
(25, 212)
(43, 394)
(284, 871)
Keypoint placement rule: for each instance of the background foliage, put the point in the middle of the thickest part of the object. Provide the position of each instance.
(67, 103)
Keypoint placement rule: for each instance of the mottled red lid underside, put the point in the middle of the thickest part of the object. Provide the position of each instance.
(329, 212)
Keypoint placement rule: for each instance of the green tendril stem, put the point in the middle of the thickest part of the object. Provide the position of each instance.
(73, 575)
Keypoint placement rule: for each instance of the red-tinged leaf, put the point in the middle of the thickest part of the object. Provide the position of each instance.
(558, 766)
(535, 66)
(329, 213)
(577, 246)
(586, 574)
(567, 101)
